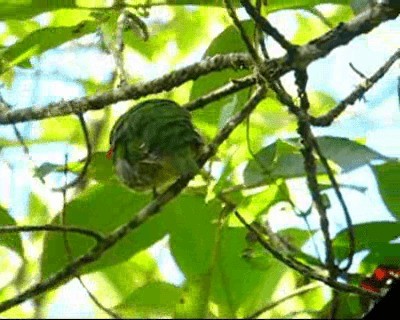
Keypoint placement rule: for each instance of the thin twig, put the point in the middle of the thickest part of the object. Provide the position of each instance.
(297, 292)
(68, 248)
(328, 118)
(118, 49)
(291, 315)
(134, 22)
(260, 37)
(234, 86)
(243, 34)
(88, 158)
(304, 269)
(267, 27)
(357, 71)
(321, 16)
(53, 228)
(7, 107)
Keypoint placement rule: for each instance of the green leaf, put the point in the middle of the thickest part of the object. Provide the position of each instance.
(229, 289)
(320, 103)
(21, 29)
(211, 257)
(215, 114)
(163, 34)
(368, 236)
(296, 237)
(10, 240)
(309, 27)
(42, 40)
(282, 159)
(23, 9)
(193, 301)
(195, 230)
(154, 300)
(61, 129)
(38, 211)
(384, 253)
(116, 283)
(388, 176)
(348, 154)
(101, 169)
(350, 307)
(103, 208)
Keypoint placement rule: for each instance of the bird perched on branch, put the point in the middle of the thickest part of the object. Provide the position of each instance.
(153, 144)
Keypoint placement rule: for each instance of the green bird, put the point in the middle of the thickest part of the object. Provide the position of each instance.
(153, 144)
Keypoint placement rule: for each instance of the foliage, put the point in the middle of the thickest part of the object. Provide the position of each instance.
(225, 272)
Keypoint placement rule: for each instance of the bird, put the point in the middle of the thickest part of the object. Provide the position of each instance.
(153, 144)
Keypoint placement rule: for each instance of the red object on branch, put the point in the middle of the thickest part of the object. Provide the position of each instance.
(382, 278)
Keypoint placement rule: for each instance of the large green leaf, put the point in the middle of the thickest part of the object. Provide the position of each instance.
(384, 253)
(23, 9)
(278, 160)
(103, 208)
(114, 284)
(368, 236)
(309, 28)
(215, 114)
(10, 240)
(154, 300)
(388, 177)
(348, 154)
(235, 276)
(212, 260)
(282, 159)
(196, 231)
(42, 40)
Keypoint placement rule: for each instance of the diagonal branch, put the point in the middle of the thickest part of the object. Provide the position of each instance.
(328, 118)
(239, 27)
(267, 27)
(305, 270)
(298, 292)
(142, 216)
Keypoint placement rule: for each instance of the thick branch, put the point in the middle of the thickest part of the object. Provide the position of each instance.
(99, 101)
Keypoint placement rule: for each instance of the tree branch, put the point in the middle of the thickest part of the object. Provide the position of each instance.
(302, 268)
(54, 228)
(328, 118)
(298, 292)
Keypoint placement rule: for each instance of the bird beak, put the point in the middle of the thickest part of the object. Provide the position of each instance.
(109, 153)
